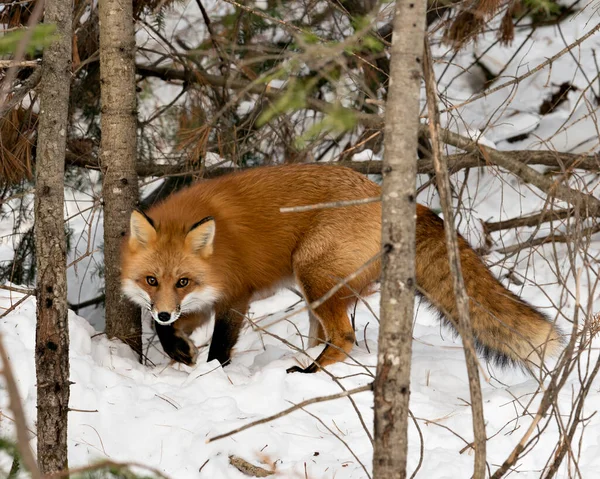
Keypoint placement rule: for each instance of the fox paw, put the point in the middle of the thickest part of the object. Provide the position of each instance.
(313, 368)
(183, 351)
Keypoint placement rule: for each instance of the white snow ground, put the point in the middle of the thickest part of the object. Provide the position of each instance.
(161, 415)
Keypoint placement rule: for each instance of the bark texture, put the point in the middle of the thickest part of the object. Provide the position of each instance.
(392, 383)
(52, 333)
(118, 154)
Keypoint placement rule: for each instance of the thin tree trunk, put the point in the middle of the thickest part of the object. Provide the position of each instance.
(52, 332)
(392, 383)
(120, 187)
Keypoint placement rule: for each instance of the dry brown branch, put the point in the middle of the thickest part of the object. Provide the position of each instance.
(212, 35)
(21, 64)
(15, 306)
(462, 300)
(17, 290)
(555, 159)
(587, 203)
(421, 444)
(456, 162)
(552, 238)
(249, 469)
(295, 407)
(19, 416)
(531, 220)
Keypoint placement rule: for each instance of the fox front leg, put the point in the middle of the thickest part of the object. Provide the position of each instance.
(228, 323)
(176, 344)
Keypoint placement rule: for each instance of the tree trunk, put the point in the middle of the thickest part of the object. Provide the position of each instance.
(392, 383)
(120, 187)
(52, 332)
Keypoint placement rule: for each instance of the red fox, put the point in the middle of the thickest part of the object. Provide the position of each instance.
(214, 245)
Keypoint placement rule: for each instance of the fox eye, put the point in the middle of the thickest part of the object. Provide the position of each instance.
(182, 283)
(151, 280)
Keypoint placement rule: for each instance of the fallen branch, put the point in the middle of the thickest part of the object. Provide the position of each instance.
(247, 468)
(285, 412)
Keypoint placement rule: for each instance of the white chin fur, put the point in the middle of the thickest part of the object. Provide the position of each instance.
(135, 293)
(199, 300)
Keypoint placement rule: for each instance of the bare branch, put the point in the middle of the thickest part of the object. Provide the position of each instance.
(295, 407)
(587, 203)
(460, 292)
(456, 162)
(86, 304)
(553, 238)
(15, 306)
(531, 220)
(17, 290)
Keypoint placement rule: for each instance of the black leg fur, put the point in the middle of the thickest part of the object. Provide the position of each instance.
(176, 344)
(227, 329)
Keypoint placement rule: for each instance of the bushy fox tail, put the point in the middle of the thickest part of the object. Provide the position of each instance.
(507, 330)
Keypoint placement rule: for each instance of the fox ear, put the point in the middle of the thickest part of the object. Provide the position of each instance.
(141, 228)
(201, 236)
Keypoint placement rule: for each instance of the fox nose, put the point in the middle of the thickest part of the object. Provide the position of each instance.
(164, 317)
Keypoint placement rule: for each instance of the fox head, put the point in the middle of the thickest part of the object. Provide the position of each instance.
(165, 268)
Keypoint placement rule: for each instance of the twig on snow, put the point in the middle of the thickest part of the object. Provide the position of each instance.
(295, 407)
